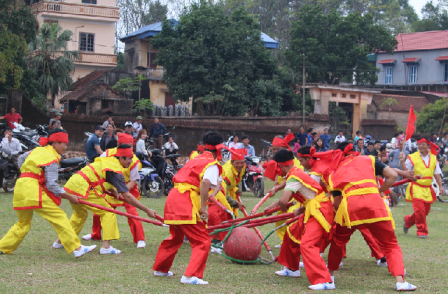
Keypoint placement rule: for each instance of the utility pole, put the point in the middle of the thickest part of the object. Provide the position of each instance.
(303, 87)
(444, 112)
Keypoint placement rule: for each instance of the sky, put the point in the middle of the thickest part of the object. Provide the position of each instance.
(418, 4)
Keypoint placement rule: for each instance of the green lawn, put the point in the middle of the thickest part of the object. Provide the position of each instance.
(37, 268)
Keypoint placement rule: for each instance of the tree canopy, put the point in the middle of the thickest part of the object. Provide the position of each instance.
(434, 17)
(430, 118)
(220, 61)
(336, 46)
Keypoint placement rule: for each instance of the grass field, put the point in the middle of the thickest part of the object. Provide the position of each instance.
(37, 268)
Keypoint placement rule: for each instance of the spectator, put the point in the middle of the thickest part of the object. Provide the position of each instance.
(400, 137)
(310, 137)
(288, 131)
(108, 140)
(394, 141)
(140, 147)
(93, 148)
(250, 149)
(340, 138)
(157, 131)
(12, 147)
(55, 122)
(394, 155)
(170, 146)
(358, 136)
(117, 131)
(296, 145)
(382, 154)
(128, 128)
(137, 126)
(359, 146)
(12, 117)
(109, 121)
(377, 146)
(234, 143)
(319, 145)
(326, 138)
(315, 136)
(303, 138)
(445, 139)
(370, 150)
(433, 137)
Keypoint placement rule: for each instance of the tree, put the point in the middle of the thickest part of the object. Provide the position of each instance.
(143, 105)
(51, 60)
(434, 17)
(336, 46)
(388, 102)
(430, 118)
(18, 28)
(220, 61)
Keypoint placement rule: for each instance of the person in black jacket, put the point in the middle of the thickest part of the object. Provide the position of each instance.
(157, 131)
(108, 140)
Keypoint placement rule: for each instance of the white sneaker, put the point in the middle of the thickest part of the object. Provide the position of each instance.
(332, 279)
(83, 250)
(193, 281)
(341, 264)
(278, 246)
(216, 250)
(110, 250)
(87, 237)
(162, 274)
(301, 265)
(322, 286)
(141, 244)
(286, 272)
(405, 287)
(378, 262)
(57, 245)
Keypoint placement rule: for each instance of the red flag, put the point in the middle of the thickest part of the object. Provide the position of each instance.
(411, 123)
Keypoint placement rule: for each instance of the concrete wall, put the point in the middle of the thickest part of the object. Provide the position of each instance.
(157, 96)
(429, 70)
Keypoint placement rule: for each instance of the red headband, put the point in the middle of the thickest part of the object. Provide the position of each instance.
(283, 142)
(201, 148)
(218, 148)
(433, 146)
(60, 137)
(124, 138)
(271, 169)
(124, 152)
(286, 163)
(238, 154)
(311, 155)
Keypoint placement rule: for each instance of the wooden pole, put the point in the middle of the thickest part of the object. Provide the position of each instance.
(303, 87)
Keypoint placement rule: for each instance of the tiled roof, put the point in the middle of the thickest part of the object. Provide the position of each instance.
(412, 59)
(442, 58)
(422, 41)
(404, 102)
(88, 79)
(88, 90)
(387, 61)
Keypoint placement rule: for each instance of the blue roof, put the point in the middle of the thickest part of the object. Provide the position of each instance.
(155, 28)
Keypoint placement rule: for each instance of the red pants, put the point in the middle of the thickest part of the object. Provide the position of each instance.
(384, 234)
(421, 210)
(371, 241)
(135, 225)
(200, 244)
(215, 217)
(324, 244)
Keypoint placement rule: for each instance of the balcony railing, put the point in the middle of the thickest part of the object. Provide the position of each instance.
(155, 73)
(106, 59)
(76, 9)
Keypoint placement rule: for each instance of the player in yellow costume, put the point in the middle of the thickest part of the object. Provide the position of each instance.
(91, 182)
(37, 191)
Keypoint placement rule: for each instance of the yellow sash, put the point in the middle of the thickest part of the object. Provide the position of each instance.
(312, 207)
(194, 196)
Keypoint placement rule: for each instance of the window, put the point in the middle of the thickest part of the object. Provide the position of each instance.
(389, 75)
(89, 1)
(412, 74)
(445, 73)
(86, 42)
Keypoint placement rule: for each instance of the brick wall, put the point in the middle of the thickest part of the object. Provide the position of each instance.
(400, 117)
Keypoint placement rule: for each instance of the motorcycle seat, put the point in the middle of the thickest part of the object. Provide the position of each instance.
(71, 161)
(29, 133)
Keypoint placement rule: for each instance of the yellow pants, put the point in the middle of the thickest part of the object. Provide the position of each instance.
(281, 232)
(108, 219)
(51, 213)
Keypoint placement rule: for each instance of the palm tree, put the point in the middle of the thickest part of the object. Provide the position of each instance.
(51, 60)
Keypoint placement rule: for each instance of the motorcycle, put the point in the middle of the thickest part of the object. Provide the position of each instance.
(253, 178)
(435, 186)
(10, 172)
(266, 153)
(150, 183)
(174, 167)
(69, 167)
(25, 135)
(40, 131)
(225, 154)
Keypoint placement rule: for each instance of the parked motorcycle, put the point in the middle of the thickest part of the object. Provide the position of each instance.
(253, 178)
(10, 172)
(150, 183)
(435, 186)
(266, 153)
(225, 154)
(174, 167)
(69, 167)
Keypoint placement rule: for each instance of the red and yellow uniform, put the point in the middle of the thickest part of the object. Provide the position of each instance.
(421, 193)
(182, 214)
(231, 179)
(135, 225)
(362, 204)
(304, 236)
(90, 183)
(31, 195)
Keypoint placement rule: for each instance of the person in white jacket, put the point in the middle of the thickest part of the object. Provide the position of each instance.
(140, 146)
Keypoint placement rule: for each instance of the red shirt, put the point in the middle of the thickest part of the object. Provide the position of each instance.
(12, 118)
